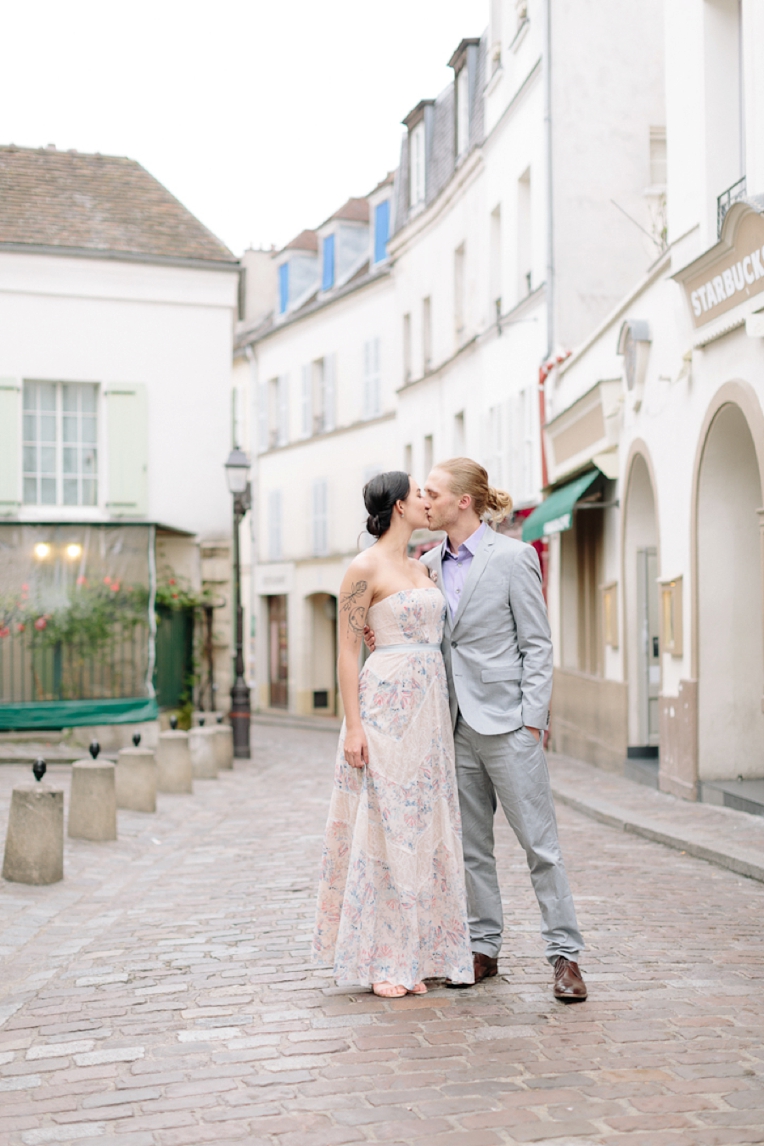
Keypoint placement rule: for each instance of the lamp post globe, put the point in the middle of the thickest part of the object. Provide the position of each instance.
(237, 476)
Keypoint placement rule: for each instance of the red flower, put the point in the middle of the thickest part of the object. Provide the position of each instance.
(107, 580)
(115, 587)
(82, 580)
(25, 588)
(5, 631)
(172, 580)
(40, 623)
(20, 628)
(175, 596)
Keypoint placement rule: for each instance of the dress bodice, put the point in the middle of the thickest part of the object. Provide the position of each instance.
(412, 616)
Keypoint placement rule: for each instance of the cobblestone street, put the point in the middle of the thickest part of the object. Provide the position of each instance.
(163, 994)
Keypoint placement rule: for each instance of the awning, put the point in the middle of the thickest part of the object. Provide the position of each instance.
(556, 513)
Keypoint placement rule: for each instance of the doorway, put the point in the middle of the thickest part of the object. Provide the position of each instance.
(729, 603)
(323, 675)
(278, 652)
(648, 647)
(642, 612)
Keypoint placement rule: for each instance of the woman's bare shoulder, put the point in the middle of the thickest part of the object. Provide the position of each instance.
(419, 571)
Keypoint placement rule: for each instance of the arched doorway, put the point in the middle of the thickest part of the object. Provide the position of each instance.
(642, 617)
(729, 602)
(323, 653)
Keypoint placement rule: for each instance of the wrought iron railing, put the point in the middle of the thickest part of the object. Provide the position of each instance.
(33, 670)
(725, 201)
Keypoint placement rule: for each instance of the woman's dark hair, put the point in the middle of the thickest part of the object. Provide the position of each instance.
(380, 495)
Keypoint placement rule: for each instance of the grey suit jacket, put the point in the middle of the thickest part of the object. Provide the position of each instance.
(498, 647)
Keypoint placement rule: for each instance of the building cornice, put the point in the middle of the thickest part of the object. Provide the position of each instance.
(462, 178)
(338, 431)
(119, 256)
(250, 337)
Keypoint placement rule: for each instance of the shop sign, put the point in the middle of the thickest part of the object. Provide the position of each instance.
(730, 272)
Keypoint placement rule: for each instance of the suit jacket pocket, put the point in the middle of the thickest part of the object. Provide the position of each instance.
(502, 672)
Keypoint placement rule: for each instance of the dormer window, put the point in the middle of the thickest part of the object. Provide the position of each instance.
(327, 274)
(464, 61)
(381, 230)
(416, 165)
(462, 111)
(283, 288)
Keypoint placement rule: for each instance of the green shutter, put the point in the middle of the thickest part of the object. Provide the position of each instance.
(127, 450)
(10, 446)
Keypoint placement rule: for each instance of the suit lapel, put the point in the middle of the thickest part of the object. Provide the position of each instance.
(436, 568)
(479, 562)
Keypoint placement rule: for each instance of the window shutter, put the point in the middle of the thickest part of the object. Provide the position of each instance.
(274, 525)
(367, 379)
(283, 427)
(10, 446)
(330, 372)
(262, 416)
(307, 401)
(320, 532)
(376, 395)
(127, 450)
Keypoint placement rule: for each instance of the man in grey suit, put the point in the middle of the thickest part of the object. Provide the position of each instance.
(498, 653)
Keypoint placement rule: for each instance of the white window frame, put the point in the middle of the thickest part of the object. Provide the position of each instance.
(58, 445)
(417, 165)
(275, 514)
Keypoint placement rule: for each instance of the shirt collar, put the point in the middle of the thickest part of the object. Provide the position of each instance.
(471, 544)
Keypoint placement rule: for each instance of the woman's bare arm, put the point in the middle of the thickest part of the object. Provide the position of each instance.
(355, 597)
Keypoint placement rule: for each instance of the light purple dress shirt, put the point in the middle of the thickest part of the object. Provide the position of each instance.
(456, 566)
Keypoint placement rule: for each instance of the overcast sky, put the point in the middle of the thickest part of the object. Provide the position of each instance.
(262, 117)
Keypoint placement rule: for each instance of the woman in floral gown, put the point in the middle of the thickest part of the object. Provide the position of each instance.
(391, 902)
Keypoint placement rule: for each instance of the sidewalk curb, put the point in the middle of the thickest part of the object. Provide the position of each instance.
(613, 819)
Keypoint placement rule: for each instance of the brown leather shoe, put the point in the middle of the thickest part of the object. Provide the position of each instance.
(485, 967)
(569, 985)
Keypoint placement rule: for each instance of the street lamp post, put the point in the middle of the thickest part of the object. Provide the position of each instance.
(237, 475)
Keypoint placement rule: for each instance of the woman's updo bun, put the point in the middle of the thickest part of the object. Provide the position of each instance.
(380, 495)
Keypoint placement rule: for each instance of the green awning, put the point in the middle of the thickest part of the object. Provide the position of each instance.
(556, 513)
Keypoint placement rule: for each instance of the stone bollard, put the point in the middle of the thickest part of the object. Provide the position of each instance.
(174, 773)
(34, 841)
(202, 719)
(92, 800)
(136, 780)
(224, 746)
(202, 744)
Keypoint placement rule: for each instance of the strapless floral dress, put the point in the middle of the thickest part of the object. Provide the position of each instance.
(391, 898)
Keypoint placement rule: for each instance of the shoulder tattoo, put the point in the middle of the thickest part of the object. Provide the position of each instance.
(356, 613)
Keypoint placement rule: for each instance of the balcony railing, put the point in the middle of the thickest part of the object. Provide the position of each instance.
(725, 201)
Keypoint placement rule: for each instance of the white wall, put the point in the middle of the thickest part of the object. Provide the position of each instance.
(170, 328)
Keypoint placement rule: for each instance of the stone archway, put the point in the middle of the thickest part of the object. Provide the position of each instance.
(641, 569)
(729, 656)
(323, 654)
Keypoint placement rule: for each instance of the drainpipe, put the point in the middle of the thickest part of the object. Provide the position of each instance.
(254, 442)
(547, 366)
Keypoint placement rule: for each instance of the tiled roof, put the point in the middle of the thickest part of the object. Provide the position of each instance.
(100, 203)
(355, 210)
(305, 241)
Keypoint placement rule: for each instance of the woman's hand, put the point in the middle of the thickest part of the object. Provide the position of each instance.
(369, 638)
(356, 748)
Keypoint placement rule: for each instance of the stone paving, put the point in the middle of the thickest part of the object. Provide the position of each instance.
(162, 995)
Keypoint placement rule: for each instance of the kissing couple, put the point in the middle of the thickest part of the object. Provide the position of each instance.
(446, 717)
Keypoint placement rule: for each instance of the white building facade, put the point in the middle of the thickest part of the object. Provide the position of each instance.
(505, 246)
(117, 309)
(320, 372)
(656, 448)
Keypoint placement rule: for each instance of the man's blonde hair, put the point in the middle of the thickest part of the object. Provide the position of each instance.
(469, 477)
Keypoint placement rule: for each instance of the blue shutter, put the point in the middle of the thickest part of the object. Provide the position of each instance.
(283, 287)
(381, 230)
(327, 279)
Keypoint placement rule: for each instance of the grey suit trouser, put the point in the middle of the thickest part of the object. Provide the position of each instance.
(512, 767)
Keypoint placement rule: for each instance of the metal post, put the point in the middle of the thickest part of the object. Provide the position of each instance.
(240, 706)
